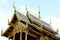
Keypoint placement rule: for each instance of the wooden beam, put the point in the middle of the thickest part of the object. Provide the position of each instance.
(41, 29)
(32, 35)
(48, 33)
(42, 37)
(45, 28)
(46, 38)
(20, 35)
(35, 31)
(14, 34)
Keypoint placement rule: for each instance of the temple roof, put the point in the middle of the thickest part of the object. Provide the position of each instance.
(30, 18)
(21, 17)
(33, 18)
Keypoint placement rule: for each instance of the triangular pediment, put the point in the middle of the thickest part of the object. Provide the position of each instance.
(18, 16)
(21, 17)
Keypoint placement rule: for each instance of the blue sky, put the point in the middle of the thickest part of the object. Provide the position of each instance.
(47, 7)
(50, 9)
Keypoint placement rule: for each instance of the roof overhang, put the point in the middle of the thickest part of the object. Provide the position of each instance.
(6, 33)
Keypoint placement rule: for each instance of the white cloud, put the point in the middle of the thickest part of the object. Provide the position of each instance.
(55, 23)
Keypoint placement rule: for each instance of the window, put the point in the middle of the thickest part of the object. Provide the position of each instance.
(17, 36)
(23, 36)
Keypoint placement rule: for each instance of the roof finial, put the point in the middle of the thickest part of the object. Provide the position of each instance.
(39, 13)
(14, 6)
(1, 32)
(57, 30)
(8, 21)
(26, 11)
(50, 21)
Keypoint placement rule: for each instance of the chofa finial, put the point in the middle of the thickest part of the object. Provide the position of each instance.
(39, 13)
(26, 10)
(50, 21)
(14, 5)
(8, 21)
(57, 30)
(1, 32)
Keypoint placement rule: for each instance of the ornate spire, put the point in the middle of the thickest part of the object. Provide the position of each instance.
(57, 30)
(39, 13)
(8, 21)
(1, 32)
(50, 21)
(14, 7)
(26, 11)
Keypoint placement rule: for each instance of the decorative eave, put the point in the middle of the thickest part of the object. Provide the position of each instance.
(8, 30)
(45, 32)
(6, 33)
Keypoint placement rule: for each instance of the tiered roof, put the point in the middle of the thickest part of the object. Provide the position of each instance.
(29, 19)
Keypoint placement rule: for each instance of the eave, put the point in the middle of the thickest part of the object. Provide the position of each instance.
(45, 32)
(8, 30)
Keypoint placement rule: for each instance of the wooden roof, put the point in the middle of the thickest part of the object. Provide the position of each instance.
(6, 33)
(21, 17)
(38, 21)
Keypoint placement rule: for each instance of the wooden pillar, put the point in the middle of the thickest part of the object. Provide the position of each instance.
(14, 34)
(8, 38)
(46, 38)
(26, 31)
(42, 37)
(25, 36)
(20, 35)
(21, 32)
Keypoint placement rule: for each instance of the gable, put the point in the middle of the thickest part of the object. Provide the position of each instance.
(21, 17)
